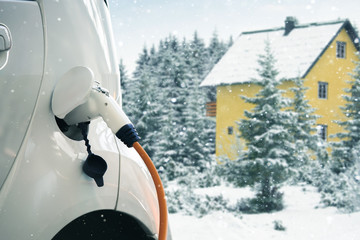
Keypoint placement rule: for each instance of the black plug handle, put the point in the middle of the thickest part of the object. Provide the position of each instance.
(128, 135)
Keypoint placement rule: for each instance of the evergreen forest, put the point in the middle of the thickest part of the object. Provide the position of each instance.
(164, 100)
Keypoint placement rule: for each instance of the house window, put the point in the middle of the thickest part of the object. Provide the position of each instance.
(340, 49)
(211, 109)
(322, 131)
(230, 130)
(323, 90)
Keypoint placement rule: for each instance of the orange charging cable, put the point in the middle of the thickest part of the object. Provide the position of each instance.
(159, 190)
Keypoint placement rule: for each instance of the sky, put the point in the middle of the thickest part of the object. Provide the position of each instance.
(139, 23)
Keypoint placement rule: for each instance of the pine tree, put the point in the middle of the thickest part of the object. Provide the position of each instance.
(200, 132)
(270, 145)
(132, 96)
(215, 52)
(142, 104)
(168, 106)
(307, 141)
(174, 80)
(185, 131)
(350, 138)
(216, 49)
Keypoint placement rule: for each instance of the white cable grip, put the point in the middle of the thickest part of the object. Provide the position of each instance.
(99, 104)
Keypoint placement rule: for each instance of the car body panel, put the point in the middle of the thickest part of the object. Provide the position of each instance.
(137, 195)
(20, 77)
(44, 187)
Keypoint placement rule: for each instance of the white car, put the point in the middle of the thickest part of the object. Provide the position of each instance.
(44, 193)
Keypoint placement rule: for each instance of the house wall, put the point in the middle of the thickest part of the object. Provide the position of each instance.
(334, 71)
(230, 109)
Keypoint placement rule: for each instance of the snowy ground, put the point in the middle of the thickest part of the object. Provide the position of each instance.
(301, 218)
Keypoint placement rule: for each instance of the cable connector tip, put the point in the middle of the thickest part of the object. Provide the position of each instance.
(128, 135)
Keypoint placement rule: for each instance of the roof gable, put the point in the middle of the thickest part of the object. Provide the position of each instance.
(295, 53)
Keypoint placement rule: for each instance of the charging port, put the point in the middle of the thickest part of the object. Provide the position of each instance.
(71, 131)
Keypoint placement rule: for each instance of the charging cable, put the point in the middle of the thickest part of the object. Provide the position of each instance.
(159, 190)
(128, 135)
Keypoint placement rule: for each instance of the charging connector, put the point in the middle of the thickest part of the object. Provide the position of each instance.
(128, 135)
(87, 101)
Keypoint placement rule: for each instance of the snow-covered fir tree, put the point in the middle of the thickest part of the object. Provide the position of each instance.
(141, 100)
(338, 189)
(215, 51)
(167, 105)
(185, 131)
(350, 138)
(130, 87)
(200, 134)
(338, 179)
(216, 48)
(174, 80)
(266, 130)
(308, 143)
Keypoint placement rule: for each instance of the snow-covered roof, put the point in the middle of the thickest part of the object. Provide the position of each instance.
(295, 53)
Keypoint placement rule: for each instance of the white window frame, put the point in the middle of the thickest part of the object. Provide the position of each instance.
(323, 88)
(340, 49)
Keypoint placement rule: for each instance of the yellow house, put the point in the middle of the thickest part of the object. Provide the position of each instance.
(322, 54)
